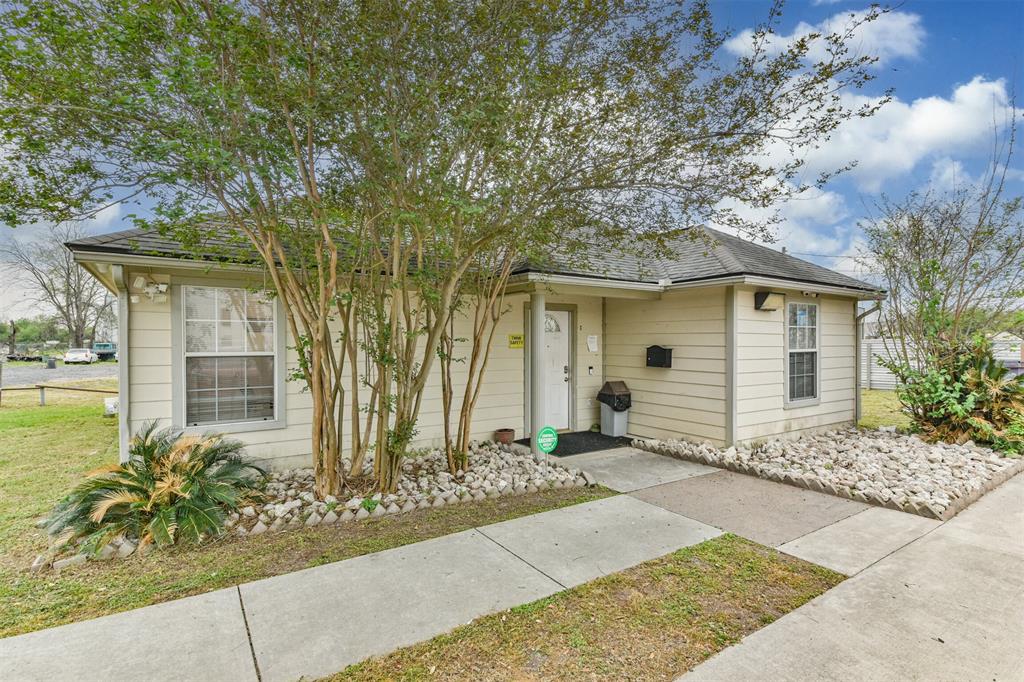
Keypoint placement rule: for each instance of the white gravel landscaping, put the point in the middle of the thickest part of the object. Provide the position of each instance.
(880, 467)
(491, 471)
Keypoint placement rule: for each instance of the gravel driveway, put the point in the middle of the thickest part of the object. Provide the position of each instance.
(28, 375)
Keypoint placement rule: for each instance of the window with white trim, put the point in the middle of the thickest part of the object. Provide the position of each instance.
(802, 345)
(229, 355)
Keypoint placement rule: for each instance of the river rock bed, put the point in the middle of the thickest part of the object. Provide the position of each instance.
(491, 471)
(882, 467)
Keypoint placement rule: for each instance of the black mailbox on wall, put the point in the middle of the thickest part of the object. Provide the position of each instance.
(658, 356)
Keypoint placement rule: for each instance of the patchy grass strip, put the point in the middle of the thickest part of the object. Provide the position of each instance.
(651, 622)
(44, 450)
(881, 408)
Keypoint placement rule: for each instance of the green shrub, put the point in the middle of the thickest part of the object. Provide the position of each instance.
(963, 394)
(173, 487)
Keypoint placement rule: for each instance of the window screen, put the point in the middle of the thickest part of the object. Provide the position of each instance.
(802, 342)
(229, 355)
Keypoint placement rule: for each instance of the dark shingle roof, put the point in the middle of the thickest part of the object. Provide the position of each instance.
(691, 260)
(213, 247)
(694, 260)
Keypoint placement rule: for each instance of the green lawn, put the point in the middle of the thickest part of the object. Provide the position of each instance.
(651, 622)
(881, 408)
(44, 450)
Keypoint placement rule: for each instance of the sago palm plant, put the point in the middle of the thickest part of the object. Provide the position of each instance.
(173, 487)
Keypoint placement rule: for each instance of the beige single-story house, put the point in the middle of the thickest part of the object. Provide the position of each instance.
(763, 345)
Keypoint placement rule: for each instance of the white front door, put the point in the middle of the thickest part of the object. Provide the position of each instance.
(557, 333)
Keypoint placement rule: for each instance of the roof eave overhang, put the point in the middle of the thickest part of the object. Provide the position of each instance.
(782, 283)
(85, 257)
(95, 260)
(519, 281)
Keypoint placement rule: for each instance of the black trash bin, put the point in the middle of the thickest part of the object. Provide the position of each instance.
(616, 399)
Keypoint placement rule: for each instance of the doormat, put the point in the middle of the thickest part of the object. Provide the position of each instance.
(579, 442)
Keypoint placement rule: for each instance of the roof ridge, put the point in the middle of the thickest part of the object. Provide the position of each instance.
(722, 253)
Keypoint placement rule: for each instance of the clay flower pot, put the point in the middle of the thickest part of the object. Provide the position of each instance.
(505, 436)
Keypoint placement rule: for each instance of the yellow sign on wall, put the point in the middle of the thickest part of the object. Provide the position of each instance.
(516, 341)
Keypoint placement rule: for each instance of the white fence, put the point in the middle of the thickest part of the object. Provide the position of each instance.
(873, 375)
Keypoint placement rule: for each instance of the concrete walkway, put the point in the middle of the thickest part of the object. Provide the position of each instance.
(317, 621)
(947, 606)
(927, 600)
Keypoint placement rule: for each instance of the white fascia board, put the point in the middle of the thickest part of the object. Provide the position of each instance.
(759, 281)
(541, 278)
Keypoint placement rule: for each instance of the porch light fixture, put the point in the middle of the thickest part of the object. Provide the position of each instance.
(156, 292)
(766, 300)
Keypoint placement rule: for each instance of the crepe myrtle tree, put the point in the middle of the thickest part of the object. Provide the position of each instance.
(368, 154)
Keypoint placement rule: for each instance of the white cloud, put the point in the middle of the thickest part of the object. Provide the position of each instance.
(817, 3)
(811, 223)
(892, 35)
(902, 135)
(948, 173)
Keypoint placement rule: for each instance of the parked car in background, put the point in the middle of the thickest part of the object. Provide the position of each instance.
(105, 350)
(80, 356)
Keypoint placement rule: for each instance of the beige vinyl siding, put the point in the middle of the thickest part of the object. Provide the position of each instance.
(761, 410)
(688, 399)
(501, 402)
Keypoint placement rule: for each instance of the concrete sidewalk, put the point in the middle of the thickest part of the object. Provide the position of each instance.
(927, 600)
(317, 621)
(947, 606)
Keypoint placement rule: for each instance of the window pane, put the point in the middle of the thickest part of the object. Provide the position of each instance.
(199, 337)
(230, 373)
(792, 315)
(812, 316)
(259, 307)
(230, 405)
(260, 372)
(200, 373)
(812, 338)
(232, 385)
(200, 303)
(231, 337)
(260, 403)
(803, 378)
(260, 336)
(230, 304)
(201, 407)
(792, 337)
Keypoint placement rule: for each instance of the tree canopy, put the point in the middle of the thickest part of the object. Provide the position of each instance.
(367, 150)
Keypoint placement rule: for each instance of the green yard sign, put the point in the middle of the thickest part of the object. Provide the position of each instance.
(547, 439)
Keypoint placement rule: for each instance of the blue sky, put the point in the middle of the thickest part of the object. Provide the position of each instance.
(951, 66)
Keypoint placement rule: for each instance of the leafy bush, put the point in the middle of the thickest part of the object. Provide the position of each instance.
(963, 394)
(173, 487)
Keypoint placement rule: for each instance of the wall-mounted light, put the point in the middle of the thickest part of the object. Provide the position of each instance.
(156, 291)
(766, 300)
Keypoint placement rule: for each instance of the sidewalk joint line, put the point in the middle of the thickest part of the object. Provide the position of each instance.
(906, 544)
(564, 587)
(827, 525)
(248, 635)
